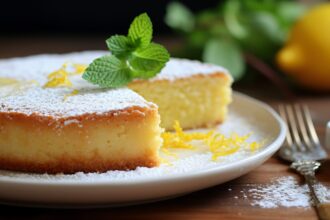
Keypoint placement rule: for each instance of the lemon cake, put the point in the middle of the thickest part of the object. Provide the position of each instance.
(94, 131)
(193, 93)
(85, 128)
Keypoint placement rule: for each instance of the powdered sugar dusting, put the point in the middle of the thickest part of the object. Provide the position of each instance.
(37, 67)
(284, 192)
(50, 102)
(90, 99)
(180, 68)
(55, 101)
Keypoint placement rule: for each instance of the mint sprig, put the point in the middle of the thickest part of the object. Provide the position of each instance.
(140, 31)
(132, 56)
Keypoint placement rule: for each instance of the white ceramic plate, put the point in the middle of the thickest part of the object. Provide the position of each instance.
(193, 171)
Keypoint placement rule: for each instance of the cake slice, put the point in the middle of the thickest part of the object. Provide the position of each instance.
(193, 93)
(43, 130)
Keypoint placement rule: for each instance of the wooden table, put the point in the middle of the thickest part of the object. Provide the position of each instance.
(213, 203)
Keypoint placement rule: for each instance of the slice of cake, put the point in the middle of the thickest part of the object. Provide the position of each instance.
(193, 93)
(43, 130)
(85, 128)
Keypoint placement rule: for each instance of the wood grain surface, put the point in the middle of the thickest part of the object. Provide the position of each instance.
(214, 203)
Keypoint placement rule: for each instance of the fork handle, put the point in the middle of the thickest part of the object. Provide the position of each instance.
(307, 169)
(322, 209)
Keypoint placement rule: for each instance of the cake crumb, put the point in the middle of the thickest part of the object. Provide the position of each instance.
(71, 121)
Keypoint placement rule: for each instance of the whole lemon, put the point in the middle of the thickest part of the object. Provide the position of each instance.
(306, 54)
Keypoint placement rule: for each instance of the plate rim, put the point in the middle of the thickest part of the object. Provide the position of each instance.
(268, 151)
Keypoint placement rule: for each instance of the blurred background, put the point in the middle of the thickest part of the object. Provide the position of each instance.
(29, 27)
(85, 17)
(285, 43)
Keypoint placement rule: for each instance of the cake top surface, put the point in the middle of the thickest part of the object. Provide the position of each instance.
(59, 102)
(37, 67)
(82, 97)
(181, 68)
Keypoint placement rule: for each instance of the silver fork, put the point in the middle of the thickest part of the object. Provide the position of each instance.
(303, 149)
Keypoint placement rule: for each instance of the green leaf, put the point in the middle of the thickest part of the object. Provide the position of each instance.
(108, 71)
(147, 62)
(225, 53)
(119, 45)
(290, 11)
(179, 17)
(232, 13)
(254, 25)
(265, 23)
(133, 56)
(140, 31)
(197, 39)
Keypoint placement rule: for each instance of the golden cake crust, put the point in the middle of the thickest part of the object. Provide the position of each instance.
(92, 161)
(131, 113)
(68, 166)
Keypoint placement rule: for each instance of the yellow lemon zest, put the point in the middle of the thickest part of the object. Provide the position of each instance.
(173, 140)
(254, 146)
(73, 93)
(6, 81)
(79, 68)
(12, 86)
(186, 137)
(58, 78)
(218, 144)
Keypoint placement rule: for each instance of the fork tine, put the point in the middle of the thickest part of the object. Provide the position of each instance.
(302, 126)
(281, 110)
(302, 142)
(294, 128)
(310, 126)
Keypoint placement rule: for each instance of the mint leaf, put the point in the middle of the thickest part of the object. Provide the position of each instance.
(140, 30)
(107, 71)
(133, 56)
(148, 61)
(225, 53)
(119, 45)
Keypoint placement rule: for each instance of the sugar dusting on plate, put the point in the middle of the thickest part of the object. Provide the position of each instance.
(283, 192)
